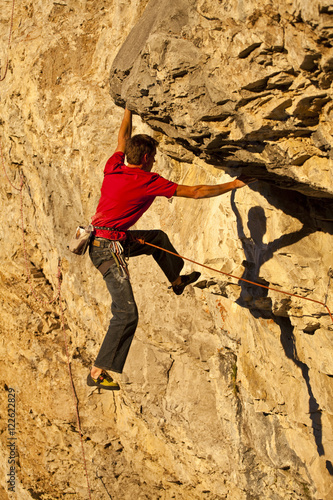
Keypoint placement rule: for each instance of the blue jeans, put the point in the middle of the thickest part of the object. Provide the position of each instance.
(116, 344)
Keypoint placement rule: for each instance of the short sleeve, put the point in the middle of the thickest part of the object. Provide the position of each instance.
(158, 186)
(116, 160)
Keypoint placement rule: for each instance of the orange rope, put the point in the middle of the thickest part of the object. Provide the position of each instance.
(143, 242)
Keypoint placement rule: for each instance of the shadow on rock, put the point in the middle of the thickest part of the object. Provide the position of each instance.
(255, 298)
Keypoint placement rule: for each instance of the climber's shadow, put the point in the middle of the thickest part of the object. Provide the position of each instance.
(258, 253)
(256, 298)
(288, 343)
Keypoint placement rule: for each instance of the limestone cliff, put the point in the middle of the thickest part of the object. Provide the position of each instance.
(228, 389)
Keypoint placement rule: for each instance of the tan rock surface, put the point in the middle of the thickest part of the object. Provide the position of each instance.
(227, 392)
(235, 83)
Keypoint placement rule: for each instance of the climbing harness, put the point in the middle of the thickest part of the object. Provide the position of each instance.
(104, 228)
(143, 242)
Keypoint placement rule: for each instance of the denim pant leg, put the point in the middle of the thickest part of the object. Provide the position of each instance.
(116, 344)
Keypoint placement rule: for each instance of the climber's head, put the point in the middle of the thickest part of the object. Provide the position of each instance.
(140, 150)
(257, 224)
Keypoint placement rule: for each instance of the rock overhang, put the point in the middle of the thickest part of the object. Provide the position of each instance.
(245, 91)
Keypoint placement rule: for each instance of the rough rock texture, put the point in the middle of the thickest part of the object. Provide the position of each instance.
(228, 389)
(238, 84)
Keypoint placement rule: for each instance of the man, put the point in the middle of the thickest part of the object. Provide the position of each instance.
(127, 192)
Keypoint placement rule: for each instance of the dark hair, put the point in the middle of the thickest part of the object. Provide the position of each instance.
(139, 145)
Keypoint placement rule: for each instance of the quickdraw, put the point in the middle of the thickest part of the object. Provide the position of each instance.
(119, 256)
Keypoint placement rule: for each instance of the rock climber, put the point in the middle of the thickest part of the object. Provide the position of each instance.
(127, 192)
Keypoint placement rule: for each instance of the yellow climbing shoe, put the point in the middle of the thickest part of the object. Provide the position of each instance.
(104, 381)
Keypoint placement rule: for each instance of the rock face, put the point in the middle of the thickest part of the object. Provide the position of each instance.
(227, 392)
(240, 86)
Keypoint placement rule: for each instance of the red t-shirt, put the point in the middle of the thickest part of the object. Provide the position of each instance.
(126, 194)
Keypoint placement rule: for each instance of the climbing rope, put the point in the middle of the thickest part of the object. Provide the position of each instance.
(57, 297)
(9, 40)
(75, 398)
(143, 242)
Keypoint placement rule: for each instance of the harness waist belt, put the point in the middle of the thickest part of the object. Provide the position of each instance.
(104, 228)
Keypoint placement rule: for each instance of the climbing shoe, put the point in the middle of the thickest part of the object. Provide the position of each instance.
(187, 279)
(104, 381)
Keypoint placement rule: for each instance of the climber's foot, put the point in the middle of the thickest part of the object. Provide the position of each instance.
(103, 381)
(185, 280)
